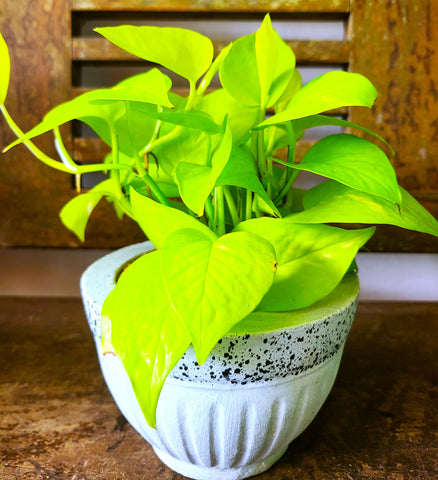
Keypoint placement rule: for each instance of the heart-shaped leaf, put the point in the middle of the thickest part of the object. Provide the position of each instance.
(214, 284)
(183, 51)
(76, 212)
(5, 69)
(331, 202)
(197, 181)
(331, 90)
(240, 172)
(105, 104)
(142, 328)
(158, 221)
(258, 67)
(312, 259)
(220, 104)
(355, 162)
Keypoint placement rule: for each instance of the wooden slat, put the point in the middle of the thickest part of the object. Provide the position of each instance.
(306, 51)
(308, 6)
(396, 49)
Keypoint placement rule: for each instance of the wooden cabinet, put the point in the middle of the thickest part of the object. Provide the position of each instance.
(53, 53)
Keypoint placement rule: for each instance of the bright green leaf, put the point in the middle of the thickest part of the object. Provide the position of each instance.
(294, 85)
(158, 221)
(188, 119)
(266, 50)
(284, 71)
(331, 90)
(107, 105)
(190, 144)
(5, 69)
(301, 124)
(312, 259)
(240, 172)
(220, 104)
(255, 73)
(355, 162)
(214, 284)
(76, 212)
(197, 181)
(145, 331)
(238, 72)
(183, 51)
(332, 202)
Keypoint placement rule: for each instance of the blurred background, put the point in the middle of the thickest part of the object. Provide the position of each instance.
(56, 55)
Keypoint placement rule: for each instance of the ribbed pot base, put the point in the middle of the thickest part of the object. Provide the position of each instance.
(210, 473)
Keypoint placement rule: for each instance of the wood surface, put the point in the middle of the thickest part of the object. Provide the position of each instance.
(304, 6)
(394, 44)
(58, 421)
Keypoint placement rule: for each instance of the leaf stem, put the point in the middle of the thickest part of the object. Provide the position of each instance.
(33, 148)
(231, 205)
(219, 205)
(248, 205)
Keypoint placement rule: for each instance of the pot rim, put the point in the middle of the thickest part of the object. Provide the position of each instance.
(108, 267)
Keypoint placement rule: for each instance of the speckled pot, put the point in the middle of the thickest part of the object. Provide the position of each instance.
(235, 415)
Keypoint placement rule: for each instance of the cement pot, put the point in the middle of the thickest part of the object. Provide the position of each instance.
(235, 415)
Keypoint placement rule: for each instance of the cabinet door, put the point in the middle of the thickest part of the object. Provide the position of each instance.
(56, 56)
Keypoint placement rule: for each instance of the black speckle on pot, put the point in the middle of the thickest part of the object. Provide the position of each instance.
(264, 357)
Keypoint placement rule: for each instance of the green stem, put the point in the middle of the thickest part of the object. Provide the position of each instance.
(209, 209)
(33, 148)
(219, 211)
(248, 205)
(231, 205)
(142, 172)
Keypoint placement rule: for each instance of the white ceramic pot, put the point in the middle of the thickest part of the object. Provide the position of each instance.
(235, 415)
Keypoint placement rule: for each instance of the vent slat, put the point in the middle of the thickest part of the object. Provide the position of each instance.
(306, 51)
(262, 6)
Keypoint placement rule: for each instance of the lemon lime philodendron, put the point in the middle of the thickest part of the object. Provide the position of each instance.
(201, 177)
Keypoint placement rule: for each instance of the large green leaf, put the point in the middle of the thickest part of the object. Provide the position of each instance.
(76, 212)
(312, 259)
(355, 162)
(214, 284)
(332, 202)
(5, 69)
(266, 53)
(238, 73)
(188, 145)
(105, 104)
(301, 124)
(158, 221)
(185, 52)
(240, 172)
(220, 104)
(331, 90)
(258, 67)
(144, 330)
(196, 182)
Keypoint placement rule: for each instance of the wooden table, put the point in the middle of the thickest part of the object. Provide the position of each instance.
(58, 421)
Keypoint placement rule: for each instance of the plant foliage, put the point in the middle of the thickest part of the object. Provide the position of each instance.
(202, 177)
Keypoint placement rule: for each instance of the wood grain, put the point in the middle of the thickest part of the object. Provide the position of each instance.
(393, 43)
(58, 420)
(306, 51)
(314, 6)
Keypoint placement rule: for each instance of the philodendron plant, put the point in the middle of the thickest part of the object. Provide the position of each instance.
(202, 177)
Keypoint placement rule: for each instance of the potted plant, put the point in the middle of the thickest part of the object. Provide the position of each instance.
(221, 344)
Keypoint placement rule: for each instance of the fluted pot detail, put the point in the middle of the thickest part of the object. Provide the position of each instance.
(235, 415)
